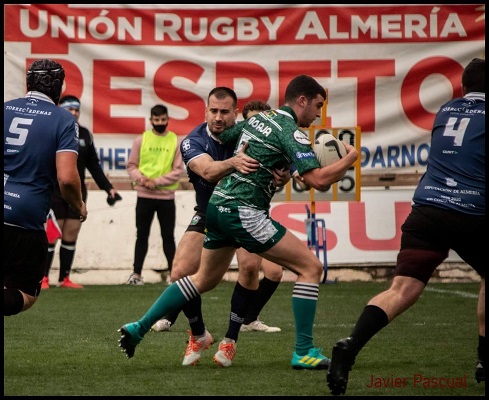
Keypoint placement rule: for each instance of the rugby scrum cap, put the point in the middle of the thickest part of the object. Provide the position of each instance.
(46, 76)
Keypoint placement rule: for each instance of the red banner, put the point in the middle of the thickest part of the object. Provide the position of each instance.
(387, 68)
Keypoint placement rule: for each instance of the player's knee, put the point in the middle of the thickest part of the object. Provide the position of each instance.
(182, 269)
(312, 272)
(13, 301)
(175, 274)
(274, 275)
(319, 269)
(408, 288)
(249, 267)
(204, 283)
(248, 276)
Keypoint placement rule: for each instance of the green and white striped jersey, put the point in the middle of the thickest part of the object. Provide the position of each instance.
(276, 142)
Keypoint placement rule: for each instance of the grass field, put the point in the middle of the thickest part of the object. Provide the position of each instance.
(66, 345)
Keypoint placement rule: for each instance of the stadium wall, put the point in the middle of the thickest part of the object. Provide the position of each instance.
(362, 238)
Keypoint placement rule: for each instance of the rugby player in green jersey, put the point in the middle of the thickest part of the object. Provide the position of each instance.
(238, 216)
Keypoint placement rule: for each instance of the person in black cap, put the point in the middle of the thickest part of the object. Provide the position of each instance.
(66, 217)
(40, 151)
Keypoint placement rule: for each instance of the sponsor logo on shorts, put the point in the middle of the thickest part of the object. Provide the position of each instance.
(222, 209)
(195, 220)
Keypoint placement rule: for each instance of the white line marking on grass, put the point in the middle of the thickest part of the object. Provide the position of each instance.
(457, 292)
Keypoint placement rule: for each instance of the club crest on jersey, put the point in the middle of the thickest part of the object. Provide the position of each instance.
(301, 138)
(186, 145)
(450, 182)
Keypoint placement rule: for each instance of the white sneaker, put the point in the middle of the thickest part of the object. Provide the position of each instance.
(195, 348)
(161, 325)
(259, 326)
(135, 279)
(225, 355)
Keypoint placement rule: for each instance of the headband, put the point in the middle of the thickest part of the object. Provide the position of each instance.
(70, 104)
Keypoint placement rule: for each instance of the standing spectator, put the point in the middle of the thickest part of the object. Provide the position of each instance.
(238, 216)
(40, 147)
(68, 220)
(448, 212)
(155, 166)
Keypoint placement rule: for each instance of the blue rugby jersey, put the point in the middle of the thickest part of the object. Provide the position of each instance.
(455, 176)
(34, 130)
(199, 142)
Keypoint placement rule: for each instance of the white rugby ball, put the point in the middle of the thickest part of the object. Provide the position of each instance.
(328, 149)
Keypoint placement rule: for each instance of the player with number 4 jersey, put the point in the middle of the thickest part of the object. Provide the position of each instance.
(450, 182)
(448, 213)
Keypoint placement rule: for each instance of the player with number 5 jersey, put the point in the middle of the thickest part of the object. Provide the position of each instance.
(40, 147)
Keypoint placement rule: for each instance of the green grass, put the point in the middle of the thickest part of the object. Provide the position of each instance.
(66, 345)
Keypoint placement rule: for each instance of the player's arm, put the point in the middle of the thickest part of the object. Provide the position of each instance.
(132, 165)
(231, 135)
(69, 181)
(93, 165)
(323, 178)
(213, 171)
(281, 176)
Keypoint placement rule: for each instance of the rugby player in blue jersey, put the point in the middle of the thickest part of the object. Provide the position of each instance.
(448, 213)
(40, 147)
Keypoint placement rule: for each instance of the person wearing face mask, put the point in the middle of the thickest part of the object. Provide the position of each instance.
(155, 165)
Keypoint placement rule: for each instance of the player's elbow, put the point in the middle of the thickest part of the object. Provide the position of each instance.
(317, 180)
(69, 180)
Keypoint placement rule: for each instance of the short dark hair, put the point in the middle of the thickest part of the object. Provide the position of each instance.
(303, 85)
(255, 105)
(46, 76)
(69, 101)
(221, 92)
(474, 76)
(158, 110)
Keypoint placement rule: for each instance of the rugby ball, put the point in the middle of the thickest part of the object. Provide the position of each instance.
(328, 149)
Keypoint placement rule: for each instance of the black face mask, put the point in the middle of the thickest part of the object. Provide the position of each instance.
(160, 128)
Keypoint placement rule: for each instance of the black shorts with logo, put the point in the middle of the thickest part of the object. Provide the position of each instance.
(197, 224)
